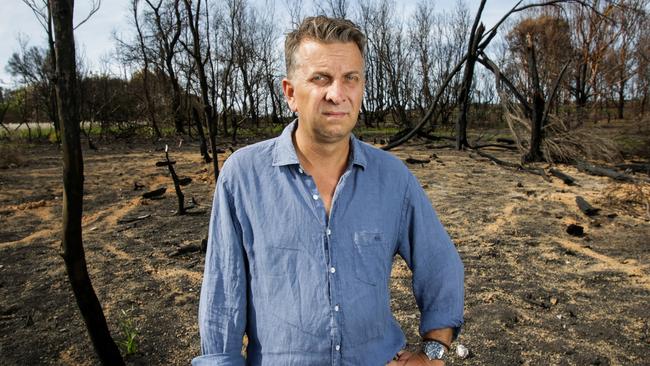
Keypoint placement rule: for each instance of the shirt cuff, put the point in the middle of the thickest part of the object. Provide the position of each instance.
(437, 320)
(219, 360)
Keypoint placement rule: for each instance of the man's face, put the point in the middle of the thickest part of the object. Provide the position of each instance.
(326, 89)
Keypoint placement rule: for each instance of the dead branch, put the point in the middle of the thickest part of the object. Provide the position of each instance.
(567, 179)
(431, 109)
(506, 140)
(636, 168)
(127, 220)
(585, 207)
(417, 161)
(515, 166)
(155, 193)
(177, 183)
(507, 147)
(191, 248)
(603, 172)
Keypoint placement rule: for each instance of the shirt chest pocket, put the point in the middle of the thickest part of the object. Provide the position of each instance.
(370, 253)
(292, 290)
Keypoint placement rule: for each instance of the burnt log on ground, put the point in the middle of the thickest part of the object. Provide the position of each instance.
(567, 179)
(506, 140)
(417, 161)
(155, 193)
(191, 248)
(585, 207)
(126, 220)
(508, 164)
(636, 168)
(507, 147)
(604, 172)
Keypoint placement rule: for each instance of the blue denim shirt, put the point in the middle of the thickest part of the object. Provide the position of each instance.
(309, 289)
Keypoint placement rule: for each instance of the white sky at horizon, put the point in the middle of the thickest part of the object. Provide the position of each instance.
(95, 38)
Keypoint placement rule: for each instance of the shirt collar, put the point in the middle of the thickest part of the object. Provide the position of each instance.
(284, 153)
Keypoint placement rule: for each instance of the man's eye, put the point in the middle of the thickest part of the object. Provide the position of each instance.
(318, 78)
(352, 77)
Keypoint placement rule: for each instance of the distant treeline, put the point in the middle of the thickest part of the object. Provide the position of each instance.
(218, 65)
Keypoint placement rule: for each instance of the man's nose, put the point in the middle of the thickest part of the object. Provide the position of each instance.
(336, 92)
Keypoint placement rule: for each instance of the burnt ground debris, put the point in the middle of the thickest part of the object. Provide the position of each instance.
(534, 294)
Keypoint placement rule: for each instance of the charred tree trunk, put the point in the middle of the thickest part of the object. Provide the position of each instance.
(145, 77)
(169, 47)
(537, 118)
(468, 74)
(71, 246)
(177, 184)
(209, 112)
(199, 127)
(52, 107)
(621, 97)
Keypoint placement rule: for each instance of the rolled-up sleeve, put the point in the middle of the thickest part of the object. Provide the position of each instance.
(438, 278)
(222, 307)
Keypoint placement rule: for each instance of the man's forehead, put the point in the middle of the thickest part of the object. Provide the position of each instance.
(313, 53)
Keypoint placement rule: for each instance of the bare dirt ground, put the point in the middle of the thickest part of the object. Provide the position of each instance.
(534, 294)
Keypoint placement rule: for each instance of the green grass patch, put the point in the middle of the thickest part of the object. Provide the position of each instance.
(128, 340)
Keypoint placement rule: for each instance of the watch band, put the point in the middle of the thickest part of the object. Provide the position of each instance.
(429, 339)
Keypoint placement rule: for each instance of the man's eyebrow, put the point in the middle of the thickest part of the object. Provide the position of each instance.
(320, 72)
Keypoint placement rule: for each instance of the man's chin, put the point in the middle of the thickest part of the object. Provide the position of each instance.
(332, 136)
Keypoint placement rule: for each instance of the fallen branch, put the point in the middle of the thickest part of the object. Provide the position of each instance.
(567, 179)
(585, 207)
(417, 161)
(127, 220)
(636, 168)
(191, 248)
(516, 166)
(155, 193)
(507, 147)
(602, 171)
(506, 140)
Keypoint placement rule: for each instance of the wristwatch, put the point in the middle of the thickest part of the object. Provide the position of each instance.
(435, 350)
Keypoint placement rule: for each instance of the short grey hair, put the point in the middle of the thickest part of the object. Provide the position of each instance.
(322, 29)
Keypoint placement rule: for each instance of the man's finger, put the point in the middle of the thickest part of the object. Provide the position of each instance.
(404, 355)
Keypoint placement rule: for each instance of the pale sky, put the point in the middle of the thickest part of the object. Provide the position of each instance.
(94, 39)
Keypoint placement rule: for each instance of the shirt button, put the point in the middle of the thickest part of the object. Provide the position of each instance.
(332, 270)
(338, 347)
(300, 170)
(336, 308)
(315, 197)
(329, 232)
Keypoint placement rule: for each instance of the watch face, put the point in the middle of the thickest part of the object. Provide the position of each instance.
(434, 350)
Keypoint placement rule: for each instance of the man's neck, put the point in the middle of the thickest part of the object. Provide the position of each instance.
(321, 157)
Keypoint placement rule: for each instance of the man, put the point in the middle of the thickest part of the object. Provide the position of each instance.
(305, 226)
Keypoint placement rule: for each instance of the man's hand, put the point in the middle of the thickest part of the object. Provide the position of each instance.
(405, 358)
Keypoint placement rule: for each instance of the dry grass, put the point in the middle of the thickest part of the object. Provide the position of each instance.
(631, 198)
(11, 155)
(562, 143)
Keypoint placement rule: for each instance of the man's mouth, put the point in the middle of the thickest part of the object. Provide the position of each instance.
(335, 114)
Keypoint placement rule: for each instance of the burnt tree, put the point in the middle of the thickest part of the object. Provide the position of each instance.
(468, 74)
(193, 17)
(72, 249)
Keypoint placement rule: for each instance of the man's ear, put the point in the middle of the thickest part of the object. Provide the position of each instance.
(288, 90)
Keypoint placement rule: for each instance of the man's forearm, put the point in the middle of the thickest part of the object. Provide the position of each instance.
(444, 335)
